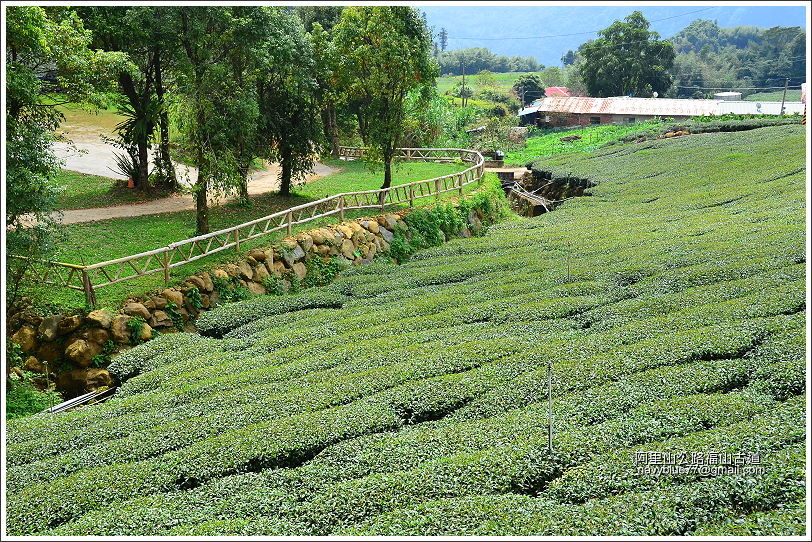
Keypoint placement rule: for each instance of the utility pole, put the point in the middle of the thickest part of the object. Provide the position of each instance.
(462, 92)
(523, 102)
(784, 97)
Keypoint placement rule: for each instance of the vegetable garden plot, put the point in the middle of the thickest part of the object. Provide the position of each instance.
(414, 401)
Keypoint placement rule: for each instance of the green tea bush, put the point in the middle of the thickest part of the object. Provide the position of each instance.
(412, 398)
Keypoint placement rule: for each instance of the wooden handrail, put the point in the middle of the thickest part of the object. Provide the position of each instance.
(230, 237)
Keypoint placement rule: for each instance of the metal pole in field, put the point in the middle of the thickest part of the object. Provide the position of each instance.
(550, 405)
(568, 261)
(784, 97)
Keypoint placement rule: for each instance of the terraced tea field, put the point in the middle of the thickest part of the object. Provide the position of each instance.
(412, 399)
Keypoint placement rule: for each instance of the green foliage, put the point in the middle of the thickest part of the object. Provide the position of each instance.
(320, 271)
(193, 295)
(529, 86)
(38, 37)
(412, 399)
(627, 59)
(24, 399)
(173, 313)
(103, 359)
(136, 325)
(548, 142)
(230, 289)
(384, 52)
(477, 59)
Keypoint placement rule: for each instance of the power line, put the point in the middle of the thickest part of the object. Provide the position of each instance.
(576, 33)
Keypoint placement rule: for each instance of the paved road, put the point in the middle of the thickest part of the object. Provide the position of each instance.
(88, 153)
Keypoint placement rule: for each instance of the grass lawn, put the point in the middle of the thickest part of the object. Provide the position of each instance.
(504, 80)
(792, 96)
(411, 399)
(82, 191)
(592, 137)
(92, 242)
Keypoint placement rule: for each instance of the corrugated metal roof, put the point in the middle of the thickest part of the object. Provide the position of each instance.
(663, 107)
(557, 91)
(628, 106)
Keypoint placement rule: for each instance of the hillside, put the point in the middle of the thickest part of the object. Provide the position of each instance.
(412, 399)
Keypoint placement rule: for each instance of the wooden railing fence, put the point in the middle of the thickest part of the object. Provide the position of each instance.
(89, 278)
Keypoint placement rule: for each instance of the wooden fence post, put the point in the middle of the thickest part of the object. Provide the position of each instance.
(237, 239)
(290, 222)
(90, 295)
(437, 188)
(459, 183)
(341, 208)
(411, 195)
(166, 268)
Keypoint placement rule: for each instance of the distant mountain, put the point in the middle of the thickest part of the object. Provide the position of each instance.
(497, 27)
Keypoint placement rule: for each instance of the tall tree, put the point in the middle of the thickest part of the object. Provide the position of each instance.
(627, 59)
(208, 113)
(139, 32)
(384, 52)
(41, 43)
(443, 39)
(289, 99)
(529, 87)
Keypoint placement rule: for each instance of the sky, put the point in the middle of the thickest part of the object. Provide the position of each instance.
(496, 27)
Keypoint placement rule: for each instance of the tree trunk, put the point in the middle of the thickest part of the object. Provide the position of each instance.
(143, 163)
(163, 121)
(201, 196)
(243, 170)
(387, 171)
(332, 129)
(285, 175)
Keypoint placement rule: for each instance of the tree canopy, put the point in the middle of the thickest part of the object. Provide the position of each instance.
(627, 59)
(383, 53)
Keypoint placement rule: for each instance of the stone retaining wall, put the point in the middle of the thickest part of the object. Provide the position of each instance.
(73, 346)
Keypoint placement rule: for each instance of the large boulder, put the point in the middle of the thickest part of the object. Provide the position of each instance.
(49, 327)
(386, 234)
(257, 254)
(260, 274)
(208, 285)
(256, 289)
(26, 337)
(347, 249)
(300, 270)
(197, 282)
(161, 319)
(34, 365)
(305, 241)
(96, 335)
(293, 255)
(137, 309)
(50, 352)
(80, 381)
(159, 301)
(69, 323)
(173, 296)
(246, 273)
(120, 330)
(81, 352)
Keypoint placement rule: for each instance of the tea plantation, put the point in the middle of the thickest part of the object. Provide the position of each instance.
(412, 399)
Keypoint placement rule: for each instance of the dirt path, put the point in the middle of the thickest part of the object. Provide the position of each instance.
(89, 153)
(260, 182)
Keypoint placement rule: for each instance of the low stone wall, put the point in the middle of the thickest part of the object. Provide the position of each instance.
(75, 346)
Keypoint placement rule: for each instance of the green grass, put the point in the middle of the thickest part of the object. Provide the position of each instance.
(91, 242)
(82, 191)
(411, 399)
(504, 81)
(592, 137)
(792, 96)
